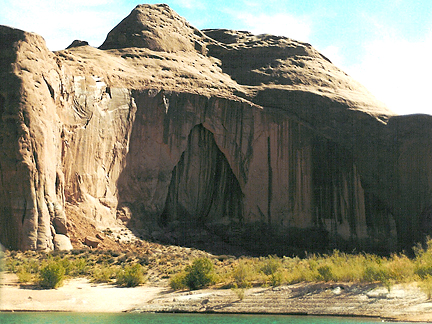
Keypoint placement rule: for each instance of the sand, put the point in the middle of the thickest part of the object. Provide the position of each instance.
(76, 295)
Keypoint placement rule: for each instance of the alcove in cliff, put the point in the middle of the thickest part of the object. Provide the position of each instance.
(352, 215)
(203, 188)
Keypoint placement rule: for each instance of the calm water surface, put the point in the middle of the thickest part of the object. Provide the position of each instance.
(85, 318)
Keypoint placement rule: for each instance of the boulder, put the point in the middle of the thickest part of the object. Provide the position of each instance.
(91, 241)
(62, 243)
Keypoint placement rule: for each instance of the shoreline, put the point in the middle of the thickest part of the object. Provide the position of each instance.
(404, 303)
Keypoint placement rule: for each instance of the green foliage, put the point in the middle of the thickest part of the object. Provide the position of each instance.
(78, 267)
(178, 281)
(401, 268)
(103, 274)
(195, 276)
(131, 276)
(375, 272)
(52, 275)
(423, 260)
(50, 269)
(242, 274)
(378, 272)
(200, 274)
(24, 276)
(271, 265)
(276, 279)
(325, 272)
(298, 270)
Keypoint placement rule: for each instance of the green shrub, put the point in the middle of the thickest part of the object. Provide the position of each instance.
(242, 274)
(24, 276)
(423, 260)
(178, 281)
(342, 267)
(276, 279)
(200, 274)
(271, 265)
(325, 272)
(298, 270)
(103, 274)
(78, 267)
(377, 272)
(131, 276)
(401, 268)
(12, 265)
(52, 275)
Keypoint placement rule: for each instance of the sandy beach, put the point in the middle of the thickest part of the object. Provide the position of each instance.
(76, 295)
(402, 303)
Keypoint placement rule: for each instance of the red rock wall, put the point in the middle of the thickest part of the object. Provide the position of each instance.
(307, 170)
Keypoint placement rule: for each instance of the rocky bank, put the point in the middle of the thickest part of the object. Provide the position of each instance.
(257, 140)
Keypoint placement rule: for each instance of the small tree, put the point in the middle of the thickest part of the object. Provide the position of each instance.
(200, 274)
(52, 275)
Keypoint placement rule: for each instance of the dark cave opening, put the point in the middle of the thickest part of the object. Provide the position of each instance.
(203, 191)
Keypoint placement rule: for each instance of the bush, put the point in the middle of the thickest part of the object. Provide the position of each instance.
(24, 276)
(242, 274)
(52, 275)
(131, 276)
(178, 281)
(78, 267)
(401, 268)
(375, 272)
(378, 273)
(298, 270)
(325, 272)
(276, 279)
(200, 274)
(423, 260)
(271, 265)
(103, 274)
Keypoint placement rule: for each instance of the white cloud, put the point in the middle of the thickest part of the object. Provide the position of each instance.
(333, 53)
(62, 22)
(398, 73)
(281, 24)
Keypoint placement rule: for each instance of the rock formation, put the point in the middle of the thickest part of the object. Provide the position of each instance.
(259, 140)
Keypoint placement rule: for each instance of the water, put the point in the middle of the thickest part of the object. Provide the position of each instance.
(86, 318)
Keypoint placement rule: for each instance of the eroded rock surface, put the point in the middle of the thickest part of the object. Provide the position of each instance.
(259, 140)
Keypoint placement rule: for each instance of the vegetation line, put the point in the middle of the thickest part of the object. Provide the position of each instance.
(198, 270)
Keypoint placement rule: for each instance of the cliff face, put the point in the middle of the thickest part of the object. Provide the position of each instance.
(259, 140)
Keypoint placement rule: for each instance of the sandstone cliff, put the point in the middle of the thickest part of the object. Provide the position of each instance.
(259, 140)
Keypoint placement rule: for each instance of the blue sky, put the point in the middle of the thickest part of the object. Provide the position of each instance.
(384, 44)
